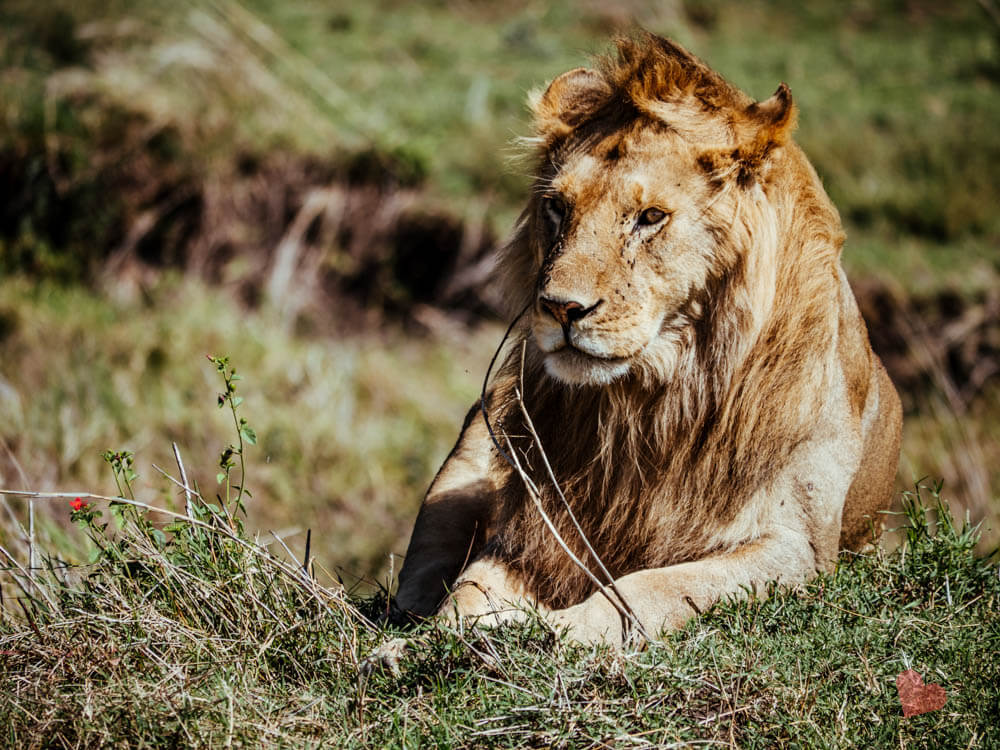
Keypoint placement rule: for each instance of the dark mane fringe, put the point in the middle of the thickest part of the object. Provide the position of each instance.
(650, 68)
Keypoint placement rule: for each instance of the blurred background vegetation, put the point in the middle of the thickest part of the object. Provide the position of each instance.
(315, 188)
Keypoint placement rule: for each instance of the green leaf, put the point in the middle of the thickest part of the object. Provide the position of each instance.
(220, 477)
(249, 435)
(237, 400)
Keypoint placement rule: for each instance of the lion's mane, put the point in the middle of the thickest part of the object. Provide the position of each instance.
(700, 434)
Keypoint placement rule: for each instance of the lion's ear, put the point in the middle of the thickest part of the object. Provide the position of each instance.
(760, 128)
(568, 101)
(773, 119)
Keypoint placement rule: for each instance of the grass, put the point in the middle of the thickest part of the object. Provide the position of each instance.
(201, 638)
(109, 107)
(349, 431)
(898, 100)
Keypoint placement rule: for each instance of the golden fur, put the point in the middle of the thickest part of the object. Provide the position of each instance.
(691, 357)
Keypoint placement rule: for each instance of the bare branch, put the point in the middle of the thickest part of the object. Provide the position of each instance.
(536, 497)
(184, 481)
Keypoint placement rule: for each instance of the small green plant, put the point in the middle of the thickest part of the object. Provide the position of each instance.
(237, 646)
(245, 435)
(191, 632)
(121, 463)
(132, 519)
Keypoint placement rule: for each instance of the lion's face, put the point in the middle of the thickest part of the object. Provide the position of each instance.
(623, 244)
(648, 169)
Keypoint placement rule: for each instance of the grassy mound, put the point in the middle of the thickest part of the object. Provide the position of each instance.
(193, 634)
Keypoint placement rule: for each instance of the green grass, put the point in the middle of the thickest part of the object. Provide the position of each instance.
(898, 100)
(199, 639)
(350, 431)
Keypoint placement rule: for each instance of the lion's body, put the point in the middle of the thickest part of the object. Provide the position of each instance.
(693, 362)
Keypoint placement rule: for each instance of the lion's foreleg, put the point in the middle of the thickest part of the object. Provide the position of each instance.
(487, 595)
(453, 522)
(663, 599)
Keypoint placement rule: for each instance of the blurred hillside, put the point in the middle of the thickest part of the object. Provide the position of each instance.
(315, 188)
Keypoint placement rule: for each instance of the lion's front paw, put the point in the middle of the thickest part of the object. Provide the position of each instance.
(386, 656)
(593, 621)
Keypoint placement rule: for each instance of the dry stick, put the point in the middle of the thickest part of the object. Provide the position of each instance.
(633, 618)
(182, 485)
(536, 497)
(562, 496)
(24, 573)
(623, 608)
(303, 574)
(486, 380)
(292, 573)
(31, 537)
(184, 481)
(15, 521)
(305, 558)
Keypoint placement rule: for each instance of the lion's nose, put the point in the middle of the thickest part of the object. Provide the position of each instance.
(567, 313)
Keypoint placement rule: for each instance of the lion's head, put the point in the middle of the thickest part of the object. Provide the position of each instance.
(652, 179)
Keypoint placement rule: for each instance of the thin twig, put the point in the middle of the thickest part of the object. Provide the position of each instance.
(580, 532)
(302, 572)
(562, 496)
(31, 538)
(486, 380)
(184, 481)
(623, 607)
(183, 486)
(15, 521)
(24, 573)
(305, 558)
(536, 497)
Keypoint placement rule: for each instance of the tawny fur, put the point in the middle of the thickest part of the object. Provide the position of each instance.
(683, 444)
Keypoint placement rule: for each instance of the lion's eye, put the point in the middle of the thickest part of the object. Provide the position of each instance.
(555, 210)
(652, 216)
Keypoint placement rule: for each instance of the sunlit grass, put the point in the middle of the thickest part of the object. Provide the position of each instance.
(898, 101)
(204, 639)
(350, 429)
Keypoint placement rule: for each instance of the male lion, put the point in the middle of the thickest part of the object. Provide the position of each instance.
(691, 375)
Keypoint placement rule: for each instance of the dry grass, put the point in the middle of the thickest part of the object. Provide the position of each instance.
(350, 430)
(198, 636)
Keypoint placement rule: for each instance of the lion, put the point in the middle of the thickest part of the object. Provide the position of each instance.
(691, 408)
